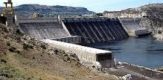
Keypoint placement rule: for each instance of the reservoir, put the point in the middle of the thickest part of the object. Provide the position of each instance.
(140, 51)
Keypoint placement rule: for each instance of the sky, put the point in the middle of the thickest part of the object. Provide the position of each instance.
(93, 5)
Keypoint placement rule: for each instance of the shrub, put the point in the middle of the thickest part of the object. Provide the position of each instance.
(27, 46)
(12, 49)
(43, 46)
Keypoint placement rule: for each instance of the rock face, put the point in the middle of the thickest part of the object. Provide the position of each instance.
(28, 9)
(155, 17)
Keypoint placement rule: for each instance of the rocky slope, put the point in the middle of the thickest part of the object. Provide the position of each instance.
(24, 58)
(155, 18)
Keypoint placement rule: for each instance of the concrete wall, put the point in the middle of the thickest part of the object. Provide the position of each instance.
(133, 26)
(42, 28)
(86, 55)
(71, 39)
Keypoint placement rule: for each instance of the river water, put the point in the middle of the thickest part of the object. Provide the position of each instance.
(140, 51)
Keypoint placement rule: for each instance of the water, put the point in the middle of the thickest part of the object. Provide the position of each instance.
(140, 51)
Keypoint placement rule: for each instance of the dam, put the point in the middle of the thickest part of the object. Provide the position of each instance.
(78, 31)
(42, 28)
(96, 29)
(99, 32)
(134, 27)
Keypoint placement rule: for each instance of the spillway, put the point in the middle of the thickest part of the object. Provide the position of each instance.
(87, 30)
(43, 29)
(96, 29)
(133, 26)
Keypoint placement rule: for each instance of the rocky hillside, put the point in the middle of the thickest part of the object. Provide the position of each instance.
(24, 58)
(28, 9)
(155, 18)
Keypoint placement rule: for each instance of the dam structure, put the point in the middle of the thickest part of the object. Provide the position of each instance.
(94, 30)
(60, 33)
(46, 28)
(74, 30)
(134, 27)
(42, 28)
(88, 56)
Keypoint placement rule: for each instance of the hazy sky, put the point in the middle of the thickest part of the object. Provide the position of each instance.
(93, 5)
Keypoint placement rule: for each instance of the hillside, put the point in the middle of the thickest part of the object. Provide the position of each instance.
(24, 58)
(28, 9)
(155, 18)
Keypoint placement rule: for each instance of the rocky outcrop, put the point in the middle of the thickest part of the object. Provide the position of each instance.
(155, 18)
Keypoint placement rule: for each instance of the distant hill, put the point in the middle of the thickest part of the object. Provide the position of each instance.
(28, 9)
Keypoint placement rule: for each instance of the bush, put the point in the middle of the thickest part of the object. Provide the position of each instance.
(3, 61)
(8, 44)
(12, 49)
(27, 46)
(43, 46)
(18, 32)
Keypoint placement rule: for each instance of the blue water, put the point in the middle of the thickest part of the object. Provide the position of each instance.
(140, 51)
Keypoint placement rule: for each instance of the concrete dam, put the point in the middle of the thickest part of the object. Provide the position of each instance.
(74, 30)
(42, 29)
(96, 29)
(134, 27)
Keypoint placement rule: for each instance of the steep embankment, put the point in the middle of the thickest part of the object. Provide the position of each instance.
(27, 59)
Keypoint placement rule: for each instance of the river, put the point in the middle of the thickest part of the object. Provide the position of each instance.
(140, 51)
